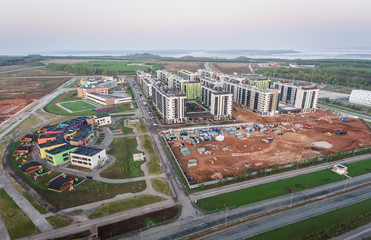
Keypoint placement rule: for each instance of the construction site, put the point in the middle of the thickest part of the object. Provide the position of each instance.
(211, 153)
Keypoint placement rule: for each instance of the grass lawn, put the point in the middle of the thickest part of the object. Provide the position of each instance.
(141, 127)
(31, 122)
(16, 222)
(325, 226)
(76, 106)
(100, 139)
(280, 188)
(2, 144)
(1, 159)
(124, 129)
(124, 166)
(125, 204)
(72, 96)
(114, 66)
(83, 169)
(58, 221)
(35, 204)
(154, 164)
(47, 116)
(76, 212)
(16, 127)
(160, 185)
(72, 85)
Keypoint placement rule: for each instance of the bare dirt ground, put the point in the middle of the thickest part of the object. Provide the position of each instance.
(231, 68)
(235, 156)
(35, 72)
(175, 66)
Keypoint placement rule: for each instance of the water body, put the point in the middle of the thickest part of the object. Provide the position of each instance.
(351, 53)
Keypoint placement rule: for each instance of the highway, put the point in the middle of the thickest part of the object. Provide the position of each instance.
(39, 104)
(346, 113)
(188, 227)
(294, 215)
(273, 178)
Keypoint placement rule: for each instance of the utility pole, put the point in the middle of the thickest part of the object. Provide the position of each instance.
(292, 196)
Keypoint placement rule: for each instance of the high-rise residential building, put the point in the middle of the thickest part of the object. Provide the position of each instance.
(262, 101)
(362, 97)
(300, 96)
(192, 89)
(187, 75)
(219, 102)
(169, 103)
(147, 87)
(141, 76)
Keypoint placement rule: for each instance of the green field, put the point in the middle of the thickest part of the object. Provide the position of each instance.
(57, 221)
(76, 106)
(125, 204)
(160, 185)
(72, 96)
(324, 226)
(154, 164)
(280, 188)
(16, 222)
(124, 166)
(103, 67)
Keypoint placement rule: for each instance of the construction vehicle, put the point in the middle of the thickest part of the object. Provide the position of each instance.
(341, 132)
(308, 126)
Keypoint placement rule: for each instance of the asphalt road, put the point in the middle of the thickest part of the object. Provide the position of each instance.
(176, 185)
(188, 227)
(294, 215)
(273, 178)
(40, 104)
(346, 113)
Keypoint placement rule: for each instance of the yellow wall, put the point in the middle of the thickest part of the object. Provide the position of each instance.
(42, 150)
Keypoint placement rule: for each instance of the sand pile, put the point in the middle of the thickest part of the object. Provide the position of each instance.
(322, 144)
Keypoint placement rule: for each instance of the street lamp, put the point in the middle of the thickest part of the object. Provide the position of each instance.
(292, 196)
(346, 182)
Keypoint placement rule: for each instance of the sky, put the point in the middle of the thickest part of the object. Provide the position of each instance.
(40, 26)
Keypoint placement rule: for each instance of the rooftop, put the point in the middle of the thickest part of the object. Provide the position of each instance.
(60, 149)
(108, 96)
(87, 151)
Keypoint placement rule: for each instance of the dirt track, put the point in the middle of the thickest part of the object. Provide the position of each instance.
(234, 155)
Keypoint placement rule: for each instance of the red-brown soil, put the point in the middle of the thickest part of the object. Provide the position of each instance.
(234, 156)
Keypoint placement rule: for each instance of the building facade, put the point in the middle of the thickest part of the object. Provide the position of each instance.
(361, 97)
(169, 103)
(88, 157)
(219, 102)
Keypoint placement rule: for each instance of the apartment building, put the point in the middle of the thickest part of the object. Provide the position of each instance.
(169, 103)
(219, 101)
(147, 87)
(300, 96)
(187, 75)
(262, 101)
(192, 89)
(100, 120)
(141, 76)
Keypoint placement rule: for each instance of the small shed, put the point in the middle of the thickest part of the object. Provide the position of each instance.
(239, 135)
(340, 169)
(263, 130)
(201, 150)
(192, 163)
(219, 138)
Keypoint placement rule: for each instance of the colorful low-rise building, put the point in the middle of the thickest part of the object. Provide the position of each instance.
(44, 138)
(100, 120)
(59, 155)
(83, 137)
(50, 145)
